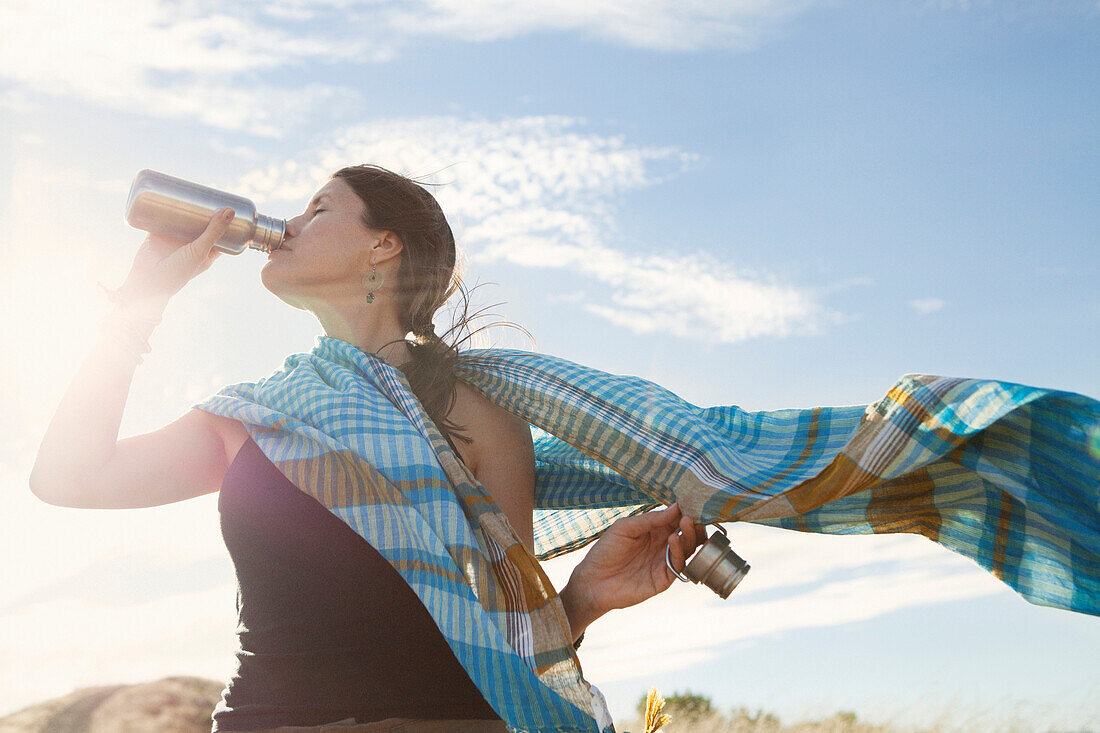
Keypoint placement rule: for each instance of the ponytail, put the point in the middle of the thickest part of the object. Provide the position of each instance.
(427, 278)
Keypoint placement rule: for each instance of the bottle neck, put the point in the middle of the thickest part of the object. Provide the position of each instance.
(269, 233)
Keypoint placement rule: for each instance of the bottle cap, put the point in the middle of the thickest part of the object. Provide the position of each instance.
(270, 233)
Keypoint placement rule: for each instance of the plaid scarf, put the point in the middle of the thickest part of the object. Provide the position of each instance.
(1005, 474)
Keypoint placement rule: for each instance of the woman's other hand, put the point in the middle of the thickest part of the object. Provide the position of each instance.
(627, 564)
(163, 266)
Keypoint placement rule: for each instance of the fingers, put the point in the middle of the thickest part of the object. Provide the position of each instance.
(684, 541)
(214, 229)
(212, 255)
(675, 555)
(673, 521)
(668, 516)
(642, 524)
(693, 533)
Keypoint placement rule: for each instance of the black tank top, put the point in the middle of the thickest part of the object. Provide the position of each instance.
(328, 629)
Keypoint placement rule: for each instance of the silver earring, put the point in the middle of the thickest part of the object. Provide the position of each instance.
(372, 283)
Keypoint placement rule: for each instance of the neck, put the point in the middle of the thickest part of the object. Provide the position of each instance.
(369, 327)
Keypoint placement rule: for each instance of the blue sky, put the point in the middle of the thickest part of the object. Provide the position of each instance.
(769, 204)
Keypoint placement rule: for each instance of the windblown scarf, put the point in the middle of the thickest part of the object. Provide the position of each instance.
(1005, 474)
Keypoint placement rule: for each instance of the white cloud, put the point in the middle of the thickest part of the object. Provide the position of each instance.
(924, 306)
(188, 634)
(16, 100)
(183, 622)
(189, 60)
(542, 192)
(666, 25)
(79, 178)
(155, 584)
(798, 581)
(223, 64)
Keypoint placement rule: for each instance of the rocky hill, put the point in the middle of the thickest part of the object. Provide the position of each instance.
(170, 705)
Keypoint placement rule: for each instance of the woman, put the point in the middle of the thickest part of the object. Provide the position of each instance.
(330, 634)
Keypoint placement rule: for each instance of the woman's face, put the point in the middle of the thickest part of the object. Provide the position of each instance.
(326, 251)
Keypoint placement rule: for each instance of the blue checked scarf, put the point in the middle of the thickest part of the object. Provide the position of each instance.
(1005, 474)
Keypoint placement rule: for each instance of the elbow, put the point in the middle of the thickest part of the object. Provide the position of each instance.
(47, 491)
(40, 491)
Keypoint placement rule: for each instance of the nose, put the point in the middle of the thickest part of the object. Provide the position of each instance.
(293, 226)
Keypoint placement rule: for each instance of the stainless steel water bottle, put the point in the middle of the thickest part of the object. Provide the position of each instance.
(715, 565)
(172, 207)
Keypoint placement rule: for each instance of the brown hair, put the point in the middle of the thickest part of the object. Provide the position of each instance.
(427, 277)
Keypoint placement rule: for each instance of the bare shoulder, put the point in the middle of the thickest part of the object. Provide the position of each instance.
(495, 431)
(502, 456)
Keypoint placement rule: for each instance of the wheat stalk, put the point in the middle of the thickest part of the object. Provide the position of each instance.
(654, 719)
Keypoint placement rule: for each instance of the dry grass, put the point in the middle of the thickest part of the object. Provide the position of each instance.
(742, 721)
(654, 718)
(184, 705)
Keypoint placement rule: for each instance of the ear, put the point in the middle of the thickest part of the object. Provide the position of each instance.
(387, 247)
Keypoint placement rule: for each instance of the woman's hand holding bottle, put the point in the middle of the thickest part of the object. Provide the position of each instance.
(627, 564)
(163, 266)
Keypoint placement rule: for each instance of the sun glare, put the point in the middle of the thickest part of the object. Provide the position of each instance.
(51, 314)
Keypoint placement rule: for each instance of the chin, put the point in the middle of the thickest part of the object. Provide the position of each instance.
(267, 279)
(273, 283)
(279, 288)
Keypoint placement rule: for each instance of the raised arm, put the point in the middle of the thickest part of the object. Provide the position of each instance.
(81, 462)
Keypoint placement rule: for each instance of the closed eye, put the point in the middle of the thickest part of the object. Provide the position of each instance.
(318, 211)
